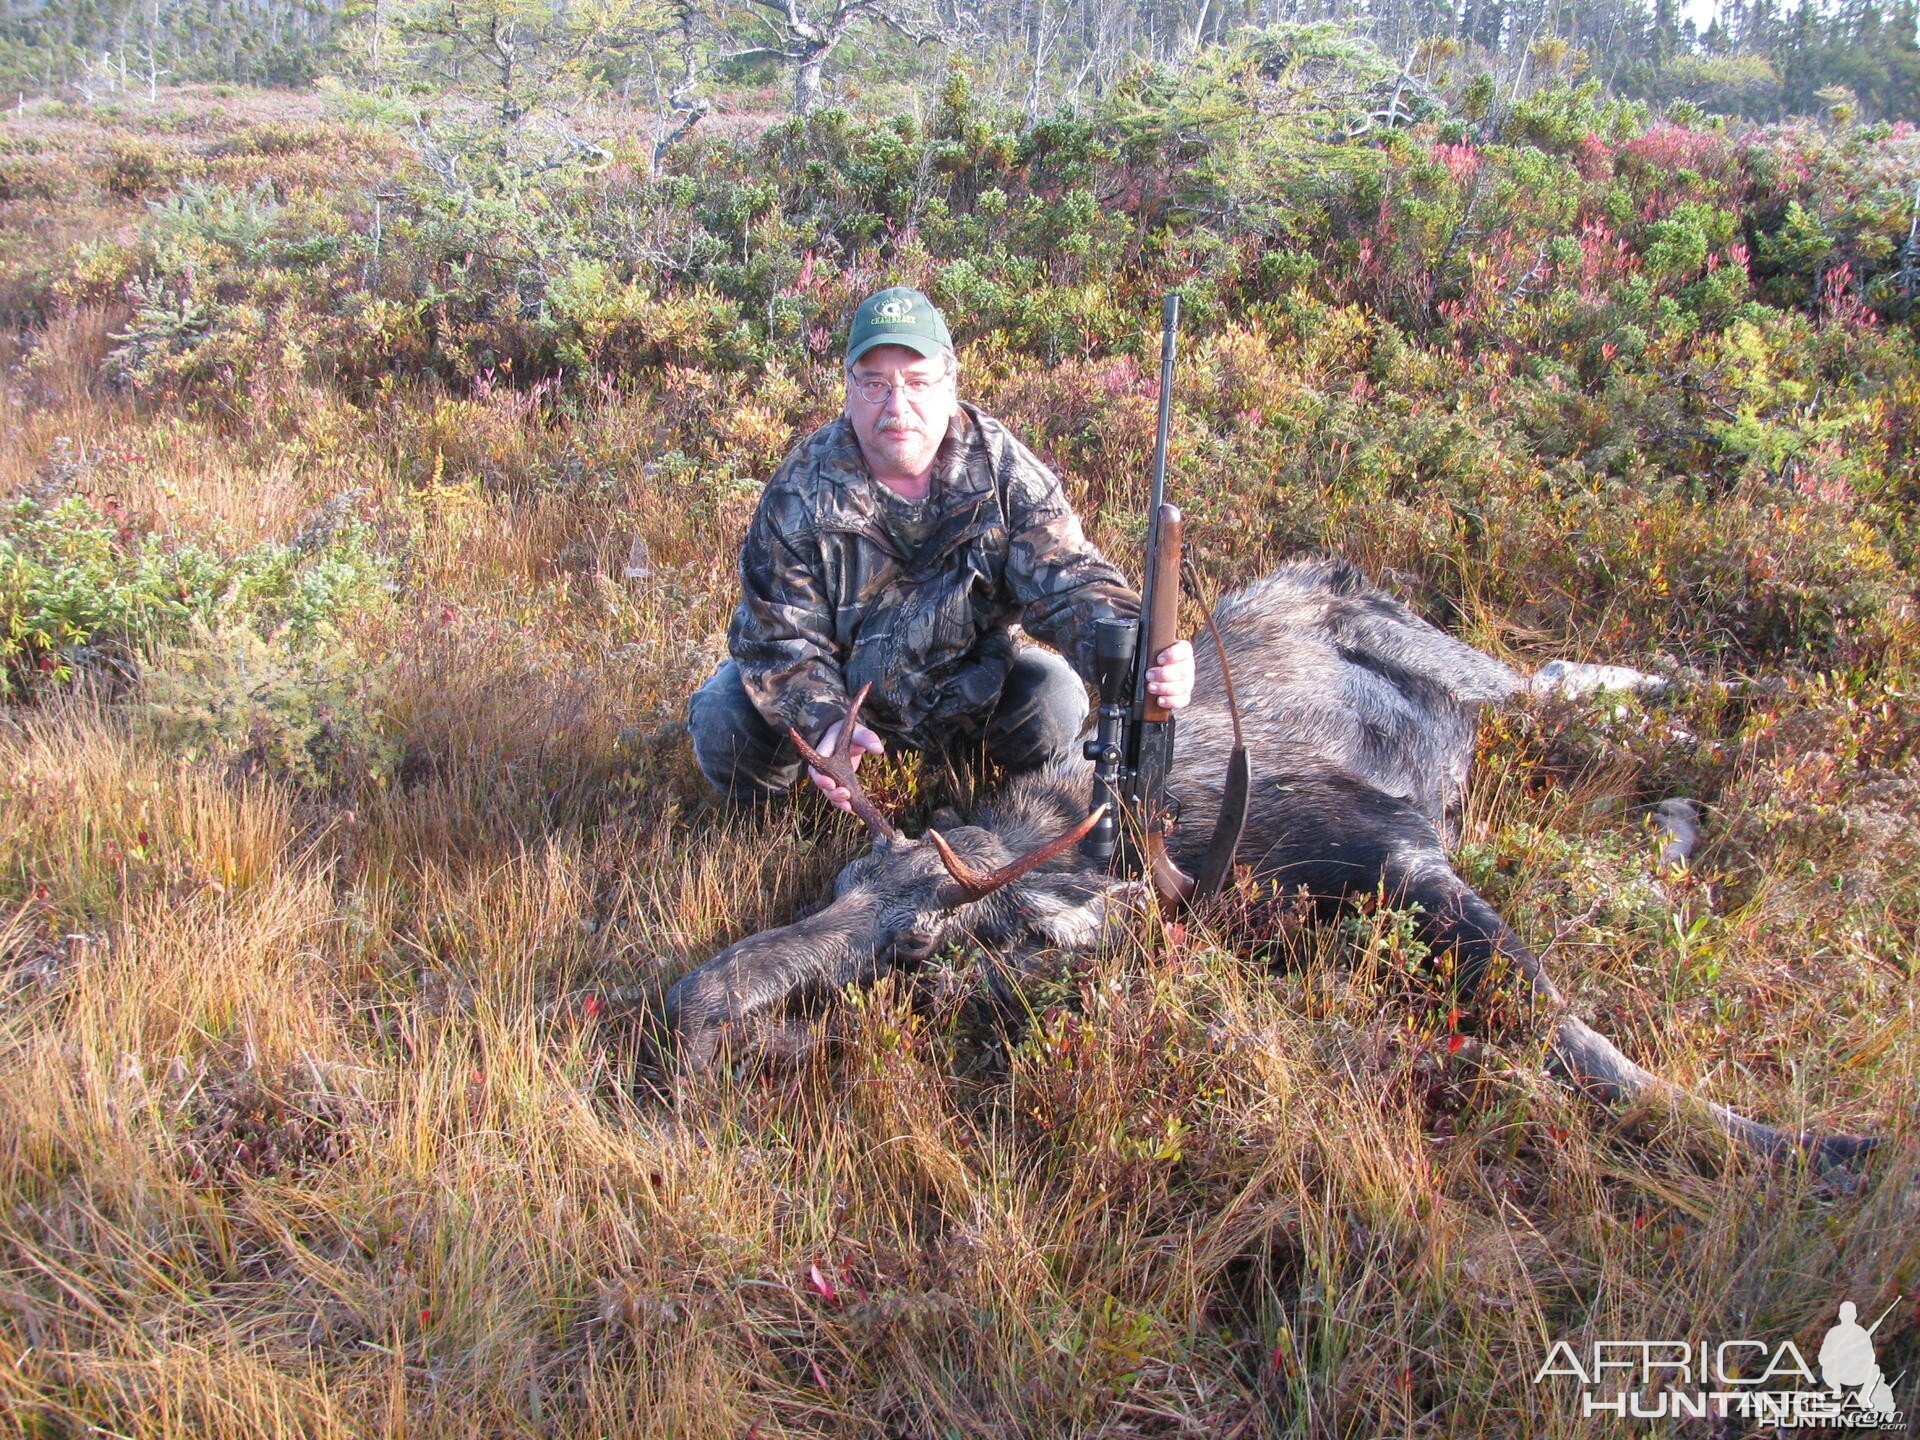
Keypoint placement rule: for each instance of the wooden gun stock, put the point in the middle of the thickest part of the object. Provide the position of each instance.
(1162, 625)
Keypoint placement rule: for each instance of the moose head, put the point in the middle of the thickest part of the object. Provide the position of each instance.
(1013, 884)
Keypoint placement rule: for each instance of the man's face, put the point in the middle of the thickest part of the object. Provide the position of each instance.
(901, 431)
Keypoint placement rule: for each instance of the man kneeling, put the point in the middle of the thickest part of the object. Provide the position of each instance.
(897, 546)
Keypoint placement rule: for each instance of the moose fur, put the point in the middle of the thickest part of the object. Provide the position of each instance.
(1359, 718)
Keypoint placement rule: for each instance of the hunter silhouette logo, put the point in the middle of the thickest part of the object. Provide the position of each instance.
(1752, 1379)
(894, 312)
(1847, 1363)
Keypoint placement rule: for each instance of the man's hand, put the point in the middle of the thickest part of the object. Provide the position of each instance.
(1170, 681)
(865, 742)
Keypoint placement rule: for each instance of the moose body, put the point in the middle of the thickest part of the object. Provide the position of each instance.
(1359, 718)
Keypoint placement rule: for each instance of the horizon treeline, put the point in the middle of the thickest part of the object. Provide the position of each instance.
(1761, 60)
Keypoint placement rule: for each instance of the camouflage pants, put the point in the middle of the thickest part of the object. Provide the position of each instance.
(1041, 712)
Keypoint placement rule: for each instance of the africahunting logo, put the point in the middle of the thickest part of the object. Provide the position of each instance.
(1748, 1379)
(896, 311)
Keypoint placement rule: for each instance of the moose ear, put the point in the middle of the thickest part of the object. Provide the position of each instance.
(947, 818)
(1067, 916)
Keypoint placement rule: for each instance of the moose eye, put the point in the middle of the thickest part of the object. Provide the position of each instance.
(914, 948)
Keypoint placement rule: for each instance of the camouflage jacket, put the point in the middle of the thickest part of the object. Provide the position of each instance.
(828, 603)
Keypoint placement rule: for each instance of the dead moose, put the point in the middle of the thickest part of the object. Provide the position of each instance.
(1359, 717)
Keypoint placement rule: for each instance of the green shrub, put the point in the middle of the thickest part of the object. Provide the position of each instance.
(134, 167)
(97, 271)
(71, 579)
(308, 713)
(1790, 256)
(77, 583)
(35, 177)
(307, 588)
(240, 222)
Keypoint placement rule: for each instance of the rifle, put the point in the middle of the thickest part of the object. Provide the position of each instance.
(1132, 748)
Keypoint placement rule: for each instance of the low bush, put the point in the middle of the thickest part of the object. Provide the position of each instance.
(81, 587)
(74, 586)
(306, 713)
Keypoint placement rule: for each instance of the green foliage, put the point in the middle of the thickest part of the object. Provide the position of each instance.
(71, 579)
(78, 585)
(521, 250)
(600, 325)
(1791, 255)
(1559, 117)
(170, 321)
(307, 713)
(200, 218)
(136, 168)
(227, 276)
(307, 587)
(1242, 132)
(1677, 247)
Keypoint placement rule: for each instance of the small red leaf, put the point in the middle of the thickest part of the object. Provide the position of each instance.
(822, 1284)
(1454, 1042)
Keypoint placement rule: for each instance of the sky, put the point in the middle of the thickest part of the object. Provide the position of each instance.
(1700, 12)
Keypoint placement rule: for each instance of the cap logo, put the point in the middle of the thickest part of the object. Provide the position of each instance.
(895, 311)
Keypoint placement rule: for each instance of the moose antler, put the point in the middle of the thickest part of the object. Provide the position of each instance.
(839, 767)
(971, 884)
(1236, 789)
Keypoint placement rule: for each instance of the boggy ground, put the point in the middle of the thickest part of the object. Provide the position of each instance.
(347, 836)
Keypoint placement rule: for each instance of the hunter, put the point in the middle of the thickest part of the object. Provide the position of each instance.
(897, 546)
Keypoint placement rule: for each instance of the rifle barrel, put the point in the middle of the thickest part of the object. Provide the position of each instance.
(1169, 330)
(1147, 656)
(1883, 1315)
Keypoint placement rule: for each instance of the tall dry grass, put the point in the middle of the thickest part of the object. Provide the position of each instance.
(331, 1118)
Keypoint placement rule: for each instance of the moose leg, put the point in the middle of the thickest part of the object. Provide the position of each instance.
(1455, 917)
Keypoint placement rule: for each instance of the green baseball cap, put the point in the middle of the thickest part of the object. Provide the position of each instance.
(898, 316)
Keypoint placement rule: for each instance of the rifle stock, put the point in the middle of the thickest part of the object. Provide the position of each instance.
(1163, 621)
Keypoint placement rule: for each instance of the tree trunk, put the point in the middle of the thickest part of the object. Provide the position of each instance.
(806, 80)
(1039, 43)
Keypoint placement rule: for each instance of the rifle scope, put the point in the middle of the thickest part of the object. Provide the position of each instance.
(1114, 642)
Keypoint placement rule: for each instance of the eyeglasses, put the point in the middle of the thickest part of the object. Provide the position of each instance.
(914, 387)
